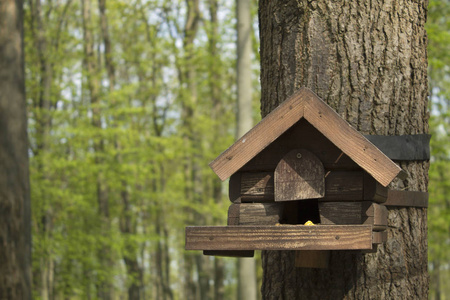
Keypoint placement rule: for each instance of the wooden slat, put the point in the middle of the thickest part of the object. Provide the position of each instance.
(379, 213)
(262, 135)
(373, 191)
(230, 253)
(379, 237)
(299, 175)
(342, 186)
(346, 213)
(285, 237)
(339, 186)
(257, 186)
(350, 141)
(234, 188)
(407, 198)
(255, 214)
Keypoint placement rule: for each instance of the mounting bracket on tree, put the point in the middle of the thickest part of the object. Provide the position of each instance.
(302, 163)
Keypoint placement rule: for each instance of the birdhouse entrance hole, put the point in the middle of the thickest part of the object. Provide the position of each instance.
(301, 211)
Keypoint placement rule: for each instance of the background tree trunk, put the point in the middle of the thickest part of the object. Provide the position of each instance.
(93, 81)
(368, 61)
(15, 225)
(246, 266)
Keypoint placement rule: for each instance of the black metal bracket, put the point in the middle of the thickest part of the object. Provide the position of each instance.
(403, 147)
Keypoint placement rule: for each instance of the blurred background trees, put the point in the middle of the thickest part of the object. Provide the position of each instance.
(128, 102)
(438, 29)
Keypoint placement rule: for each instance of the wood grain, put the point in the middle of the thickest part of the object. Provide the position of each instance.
(342, 185)
(301, 135)
(299, 175)
(339, 186)
(374, 191)
(407, 198)
(350, 141)
(257, 186)
(345, 213)
(284, 237)
(379, 237)
(255, 214)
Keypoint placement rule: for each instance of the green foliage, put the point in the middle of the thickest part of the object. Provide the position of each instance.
(438, 29)
(159, 129)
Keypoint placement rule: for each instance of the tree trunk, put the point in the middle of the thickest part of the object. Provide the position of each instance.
(15, 212)
(105, 289)
(193, 172)
(43, 107)
(215, 86)
(367, 60)
(247, 289)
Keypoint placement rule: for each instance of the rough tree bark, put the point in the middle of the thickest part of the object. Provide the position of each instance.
(15, 212)
(367, 60)
(246, 266)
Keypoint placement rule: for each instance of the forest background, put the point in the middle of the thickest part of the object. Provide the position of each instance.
(128, 102)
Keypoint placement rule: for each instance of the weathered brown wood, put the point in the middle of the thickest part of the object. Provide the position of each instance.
(262, 135)
(317, 259)
(339, 186)
(255, 214)
(305, 103)
(257, 186)
(407, 198)
(302, 135)
(343, 213)
(283, 237)
(373, 191)
(342, 186)
(350, 141)
(234, 188)
(230, 253)
(299, 175)
(379, 237)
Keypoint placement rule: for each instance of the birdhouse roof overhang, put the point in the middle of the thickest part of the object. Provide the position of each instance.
(305, 104)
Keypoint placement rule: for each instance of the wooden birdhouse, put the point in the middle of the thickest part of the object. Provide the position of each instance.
(301, 164)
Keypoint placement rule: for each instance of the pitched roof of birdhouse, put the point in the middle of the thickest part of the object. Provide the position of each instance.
(305, 104)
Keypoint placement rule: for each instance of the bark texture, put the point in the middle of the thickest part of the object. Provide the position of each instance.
(15, 226)
(367, 60)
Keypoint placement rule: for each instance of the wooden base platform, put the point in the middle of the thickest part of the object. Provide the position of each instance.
(282, 237)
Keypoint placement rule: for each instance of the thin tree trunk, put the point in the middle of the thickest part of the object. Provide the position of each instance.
(110, 69)
(219, 129)
(247, 289)
(128, 228)
(134, 270)
(193, 175)
(367, 60)
(43, 124)
(93, 82)
(15, 211)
